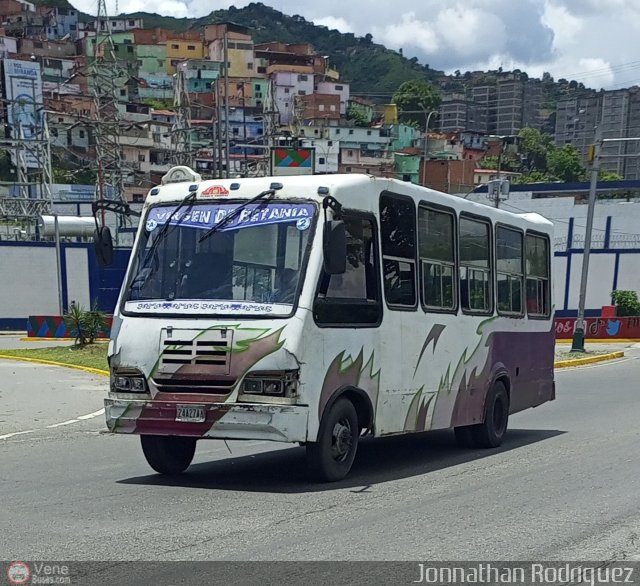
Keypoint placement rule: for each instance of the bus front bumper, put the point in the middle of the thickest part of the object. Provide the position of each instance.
(249, 421)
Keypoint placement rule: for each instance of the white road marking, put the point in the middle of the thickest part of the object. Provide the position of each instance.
(91, 415)
(8, 435)
(78, 419)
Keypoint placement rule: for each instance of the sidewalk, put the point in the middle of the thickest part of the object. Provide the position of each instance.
(563, 352)
(599, 347)
(594, 352)
(11, 340)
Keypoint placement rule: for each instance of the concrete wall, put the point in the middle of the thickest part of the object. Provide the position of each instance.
(30, 284)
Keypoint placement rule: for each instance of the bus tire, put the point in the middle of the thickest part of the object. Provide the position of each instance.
(331, 456)
(169, 455)
(491, 432)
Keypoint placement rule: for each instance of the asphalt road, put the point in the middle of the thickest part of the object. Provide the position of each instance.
(565, 485)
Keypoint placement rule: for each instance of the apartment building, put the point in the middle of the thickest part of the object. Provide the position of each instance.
(179, 50)
(617, 113)
(518, 103)
(327, 154)
(485, 98)
(60, 22)
(8, 47)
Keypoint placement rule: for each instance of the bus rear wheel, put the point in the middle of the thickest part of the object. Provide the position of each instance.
(331, 456)
(168, 455)
(491, 432)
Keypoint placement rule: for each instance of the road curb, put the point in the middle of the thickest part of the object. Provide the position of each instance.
(88, 369)
(589, 360)
(69, 340)
(601, 341)
(100, 372)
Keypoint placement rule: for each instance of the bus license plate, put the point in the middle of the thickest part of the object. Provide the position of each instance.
(190, 413)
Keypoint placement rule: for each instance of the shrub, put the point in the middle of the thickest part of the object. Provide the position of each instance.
(626, 302)
(84, 325)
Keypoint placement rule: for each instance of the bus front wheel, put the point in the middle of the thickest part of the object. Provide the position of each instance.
(331, 456)
(491, 432)
(168, 455)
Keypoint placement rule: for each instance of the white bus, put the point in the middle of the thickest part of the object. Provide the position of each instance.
(318, 309)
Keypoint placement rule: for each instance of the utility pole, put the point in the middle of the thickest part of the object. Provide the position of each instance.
(244, 130)
(219, 142)
(594, 154)
(226, 102)
(271, 122)
(425, 152)
(496, 202)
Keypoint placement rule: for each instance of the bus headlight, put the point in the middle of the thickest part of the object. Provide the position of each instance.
(128, 381)
(274, 384)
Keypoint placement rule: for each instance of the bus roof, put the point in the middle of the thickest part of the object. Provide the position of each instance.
(353, 191)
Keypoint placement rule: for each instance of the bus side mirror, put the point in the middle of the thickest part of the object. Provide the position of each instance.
(335, 247)
(103, 244)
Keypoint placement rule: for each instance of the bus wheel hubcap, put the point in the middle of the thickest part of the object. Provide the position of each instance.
(341, 440)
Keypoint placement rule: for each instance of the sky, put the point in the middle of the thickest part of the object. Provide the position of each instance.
(595, 42)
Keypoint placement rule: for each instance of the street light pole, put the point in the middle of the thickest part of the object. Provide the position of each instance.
(578, 335)
(426, 139)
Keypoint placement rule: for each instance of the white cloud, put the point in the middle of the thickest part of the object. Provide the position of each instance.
(566, 27)
(590, 41)
(469, 32)
(410, 32)
(332, 22)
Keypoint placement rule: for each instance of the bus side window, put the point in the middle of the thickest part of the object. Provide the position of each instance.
(475, 265)
(538, 270)
(436, 248)
(510, 270)
(398, 228)
(353, 297)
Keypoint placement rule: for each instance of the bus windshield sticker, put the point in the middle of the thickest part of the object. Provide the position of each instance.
(303, 224)
(258, 214)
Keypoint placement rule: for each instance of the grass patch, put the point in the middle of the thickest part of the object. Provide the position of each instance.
(93, 355)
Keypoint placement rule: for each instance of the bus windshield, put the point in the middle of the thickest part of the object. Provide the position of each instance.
(251, 263)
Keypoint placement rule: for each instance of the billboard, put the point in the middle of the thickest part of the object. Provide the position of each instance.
(293, 161)
(24, 110)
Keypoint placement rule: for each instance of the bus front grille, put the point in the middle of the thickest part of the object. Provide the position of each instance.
(207, 354)
(192, 385)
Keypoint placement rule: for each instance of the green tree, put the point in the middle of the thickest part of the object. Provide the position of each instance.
(533, 177)
(605, 175)
(415, 98)
(358, 116)
(626, 302)
(566, 164)
(534, 146)
(158, 104)
(69, 171)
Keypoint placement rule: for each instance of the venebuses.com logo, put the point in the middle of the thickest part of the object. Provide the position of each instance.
(18, 573)
(37, 573)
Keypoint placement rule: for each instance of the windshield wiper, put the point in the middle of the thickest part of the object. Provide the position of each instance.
(268, 193)
(189, 200)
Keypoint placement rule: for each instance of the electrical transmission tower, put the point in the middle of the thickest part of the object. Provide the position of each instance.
(108, 77)
(181, 131)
